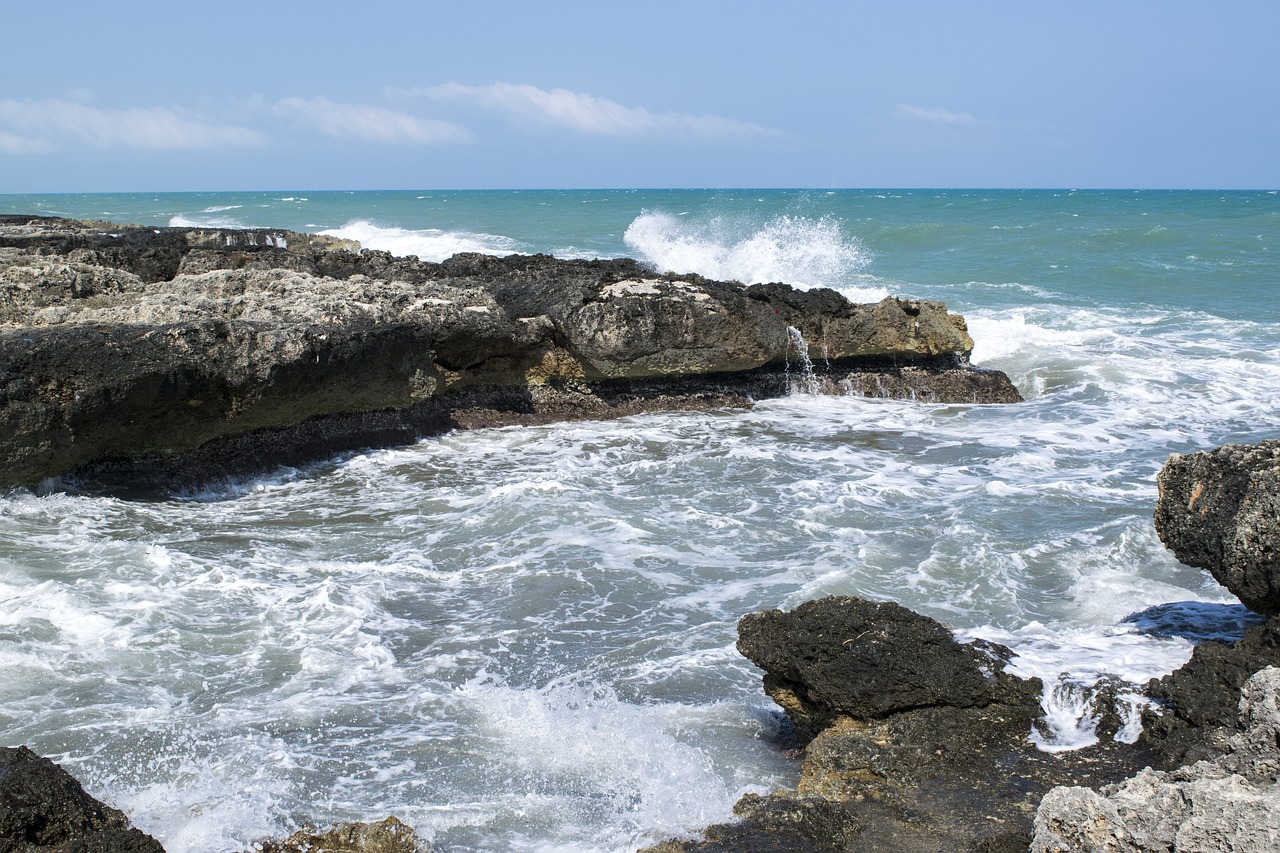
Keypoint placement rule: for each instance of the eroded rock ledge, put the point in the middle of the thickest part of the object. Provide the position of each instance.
(190, 354)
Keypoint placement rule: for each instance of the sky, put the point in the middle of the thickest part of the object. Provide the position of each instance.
(148, 96)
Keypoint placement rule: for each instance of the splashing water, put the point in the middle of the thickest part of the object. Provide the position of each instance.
(807, 382)
(429, 244)
(797, 250)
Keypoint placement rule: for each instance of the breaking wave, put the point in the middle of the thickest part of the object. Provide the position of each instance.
(798, 250)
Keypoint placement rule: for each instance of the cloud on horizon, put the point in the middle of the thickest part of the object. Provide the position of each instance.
(586, 113)
(28, 127)
(369, 123)
(31, 126)
(934, 114)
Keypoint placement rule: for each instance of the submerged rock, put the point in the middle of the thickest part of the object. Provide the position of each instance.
(1220, 510)
(43, 808)
(188, 355)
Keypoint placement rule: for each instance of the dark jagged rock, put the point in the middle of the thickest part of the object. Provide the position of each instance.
(190, 354)
(1201, 698)
(922, 742)
(43, 808)
(866, 660)
(1220, 510)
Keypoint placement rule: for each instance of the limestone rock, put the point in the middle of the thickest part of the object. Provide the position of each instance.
(1220, 510)
(43, 808)
(1229, 803)
(192, 354)
(390, 835)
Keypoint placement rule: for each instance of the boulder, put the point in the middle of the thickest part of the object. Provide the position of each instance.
(1227, 803)
(43, 808)
(867, 660)
(1220, 510)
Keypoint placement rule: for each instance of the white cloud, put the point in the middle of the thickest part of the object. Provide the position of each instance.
(371, 124)
(37, 125)
(12, 143)
(935, 114)
(587, 113)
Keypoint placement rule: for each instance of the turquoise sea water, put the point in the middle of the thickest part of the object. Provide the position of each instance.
(522, 639)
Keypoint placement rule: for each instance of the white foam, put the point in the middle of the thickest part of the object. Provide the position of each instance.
(624, 758)
(1072, 661)
(181, 221)
(797, 250)
(430, 244)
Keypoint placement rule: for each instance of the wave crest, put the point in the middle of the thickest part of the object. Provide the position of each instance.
(429, 244)
(798, 250)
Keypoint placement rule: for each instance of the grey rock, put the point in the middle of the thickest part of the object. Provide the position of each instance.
(162, 354)
(1228, 803)
(1220, 510)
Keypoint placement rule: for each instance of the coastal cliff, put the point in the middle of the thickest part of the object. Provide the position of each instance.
(185, 355)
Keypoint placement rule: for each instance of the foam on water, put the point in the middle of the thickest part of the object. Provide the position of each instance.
(798, 250)
(523, 638)
(429, 244)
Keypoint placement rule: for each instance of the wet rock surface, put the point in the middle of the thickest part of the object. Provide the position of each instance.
(867, 660)
(1228, 802)
(1220, 510)
(43, 808)
(919, 742)
(386, 836)
(189, 354)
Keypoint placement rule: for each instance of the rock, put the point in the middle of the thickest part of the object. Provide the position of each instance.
(1227, 803)
(386, 836)
(43, 808)
(1201, 698)
(866, 660)
(186, 355)
(919, 743)
(1220, 510)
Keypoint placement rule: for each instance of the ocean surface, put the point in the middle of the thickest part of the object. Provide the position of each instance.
(522, 639)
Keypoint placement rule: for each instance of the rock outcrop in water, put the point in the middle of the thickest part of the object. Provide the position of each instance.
(919, 742)
(1216, 742)
(42, 808)
(1220, 510)
(187, 355)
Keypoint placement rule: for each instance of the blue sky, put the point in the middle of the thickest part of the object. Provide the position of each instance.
(145, 96)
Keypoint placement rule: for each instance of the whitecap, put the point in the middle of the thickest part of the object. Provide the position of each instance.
(429, 244)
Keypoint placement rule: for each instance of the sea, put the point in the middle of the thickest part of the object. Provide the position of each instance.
(522, 639)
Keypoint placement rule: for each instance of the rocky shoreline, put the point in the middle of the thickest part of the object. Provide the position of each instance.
(913, 741)
(170, 355)
(155, 357)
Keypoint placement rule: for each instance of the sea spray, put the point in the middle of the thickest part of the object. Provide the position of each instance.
(798, 250)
